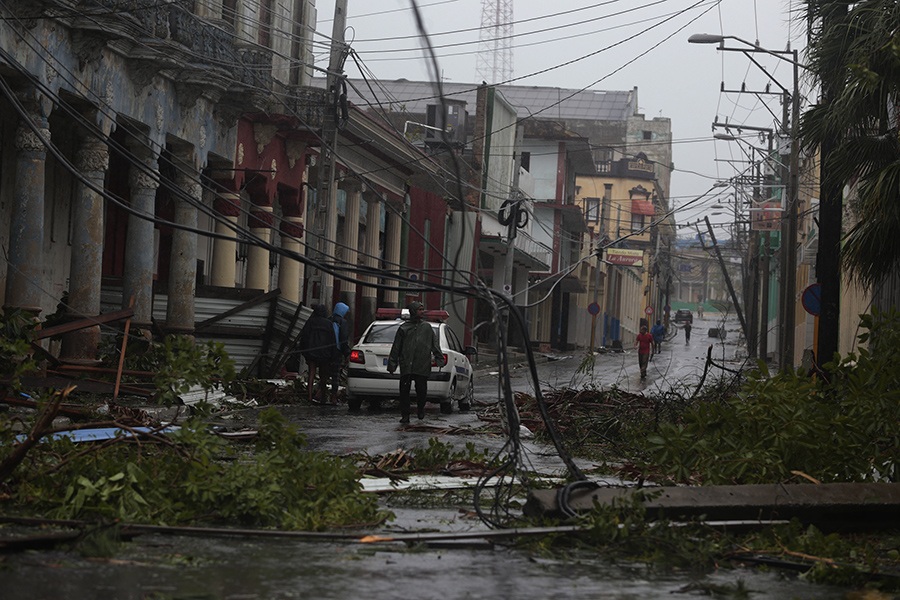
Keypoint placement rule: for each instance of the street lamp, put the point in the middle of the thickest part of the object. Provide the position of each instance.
(789, 225)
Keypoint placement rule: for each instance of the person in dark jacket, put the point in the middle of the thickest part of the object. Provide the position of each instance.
(414, 345)
(317, 344)
(341, 327)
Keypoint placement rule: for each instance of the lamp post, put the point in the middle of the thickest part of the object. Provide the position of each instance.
(789, 225)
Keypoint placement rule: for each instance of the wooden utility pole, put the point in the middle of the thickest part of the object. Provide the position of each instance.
(325, 215)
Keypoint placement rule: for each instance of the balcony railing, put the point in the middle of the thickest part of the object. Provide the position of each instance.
(170, 34)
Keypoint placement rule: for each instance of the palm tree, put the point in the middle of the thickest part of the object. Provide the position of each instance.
(854, 53)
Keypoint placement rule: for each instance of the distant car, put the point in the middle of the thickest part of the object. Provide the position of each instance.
(369, 380)
(684, 316)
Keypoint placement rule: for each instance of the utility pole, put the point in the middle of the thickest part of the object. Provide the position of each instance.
(830, 215)
(515, 200)
(325, 215)
(734, 298)
(790, 224)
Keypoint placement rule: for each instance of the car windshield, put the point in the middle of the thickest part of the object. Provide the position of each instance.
(384, 333)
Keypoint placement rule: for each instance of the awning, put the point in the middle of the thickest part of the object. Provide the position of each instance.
(642, 207)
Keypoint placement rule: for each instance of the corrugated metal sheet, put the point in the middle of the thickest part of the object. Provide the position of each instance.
(244, 351)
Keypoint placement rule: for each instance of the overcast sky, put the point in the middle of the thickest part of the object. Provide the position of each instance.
(675, 79)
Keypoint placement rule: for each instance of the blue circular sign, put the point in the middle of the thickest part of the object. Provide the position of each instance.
(594, 308)
(812, 299)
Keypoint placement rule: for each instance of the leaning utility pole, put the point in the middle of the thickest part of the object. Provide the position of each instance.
(734, 298)
(325, 216)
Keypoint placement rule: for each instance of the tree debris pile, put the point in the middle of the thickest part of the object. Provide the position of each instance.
(190, 476)
(598, 423)
(439, 458)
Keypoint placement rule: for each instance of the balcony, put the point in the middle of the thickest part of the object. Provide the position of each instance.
(167, 36)
(529, 253)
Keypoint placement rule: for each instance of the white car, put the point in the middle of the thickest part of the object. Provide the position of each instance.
(368, 378)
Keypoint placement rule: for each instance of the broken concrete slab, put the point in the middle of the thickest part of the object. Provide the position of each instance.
(848, 506)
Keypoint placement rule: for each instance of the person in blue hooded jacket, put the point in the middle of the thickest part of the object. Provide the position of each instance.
(658, 332)
(342, 342)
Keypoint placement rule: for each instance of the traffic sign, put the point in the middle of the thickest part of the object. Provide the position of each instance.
(812, 299)
(594, 308)
(649, 310)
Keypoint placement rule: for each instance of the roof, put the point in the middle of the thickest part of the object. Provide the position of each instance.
(540, 102)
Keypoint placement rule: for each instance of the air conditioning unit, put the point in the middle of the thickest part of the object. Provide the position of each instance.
(453, 122)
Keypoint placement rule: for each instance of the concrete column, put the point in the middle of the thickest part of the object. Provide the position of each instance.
(26, 230)
(183, 259)
(327, 244)
(393, 228)
(290, 272)
(371, 258)
(499, 272)
(351, 241)
(92, 161)
(261, 218)
(139, 244)
(224, 263)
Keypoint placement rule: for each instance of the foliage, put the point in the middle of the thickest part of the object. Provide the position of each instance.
(623, 530)
(439, 454)
(16, 334)
(198, 478)
(840, 429)
(179, 363)
(854, 56)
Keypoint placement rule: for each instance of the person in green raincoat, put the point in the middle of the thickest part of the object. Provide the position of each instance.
(414, 345)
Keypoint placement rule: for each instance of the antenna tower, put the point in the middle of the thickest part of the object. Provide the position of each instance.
(495, 61)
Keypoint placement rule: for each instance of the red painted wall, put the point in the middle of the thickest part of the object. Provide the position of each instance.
(426, 206)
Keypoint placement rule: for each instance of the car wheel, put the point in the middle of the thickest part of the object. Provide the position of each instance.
(354, 403)
(469, 399)
(446, 405)
(375, 405)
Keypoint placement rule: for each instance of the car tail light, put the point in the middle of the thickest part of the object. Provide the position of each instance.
(357, 356)
(446, 361)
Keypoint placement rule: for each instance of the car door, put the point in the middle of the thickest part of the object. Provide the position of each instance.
(462, 370)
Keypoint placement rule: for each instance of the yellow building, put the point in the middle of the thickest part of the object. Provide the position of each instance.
(621, 205)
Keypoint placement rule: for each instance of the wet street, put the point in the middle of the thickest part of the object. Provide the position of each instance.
(243, 567)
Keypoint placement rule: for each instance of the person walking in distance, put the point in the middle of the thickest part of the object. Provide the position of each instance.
(644, 343)
(318, 348)
(414, 345)
(341, 328)
(658, 332)
(687, 333)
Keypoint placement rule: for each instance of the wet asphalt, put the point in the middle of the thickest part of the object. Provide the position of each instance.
(243, 568)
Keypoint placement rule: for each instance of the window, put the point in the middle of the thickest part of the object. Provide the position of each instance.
(452, 340)
(265, 23)
(229, 12)
(637, 222)
(592, 209)
(382, 333)
(648, 135)
(426, 251)
(526, 161)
